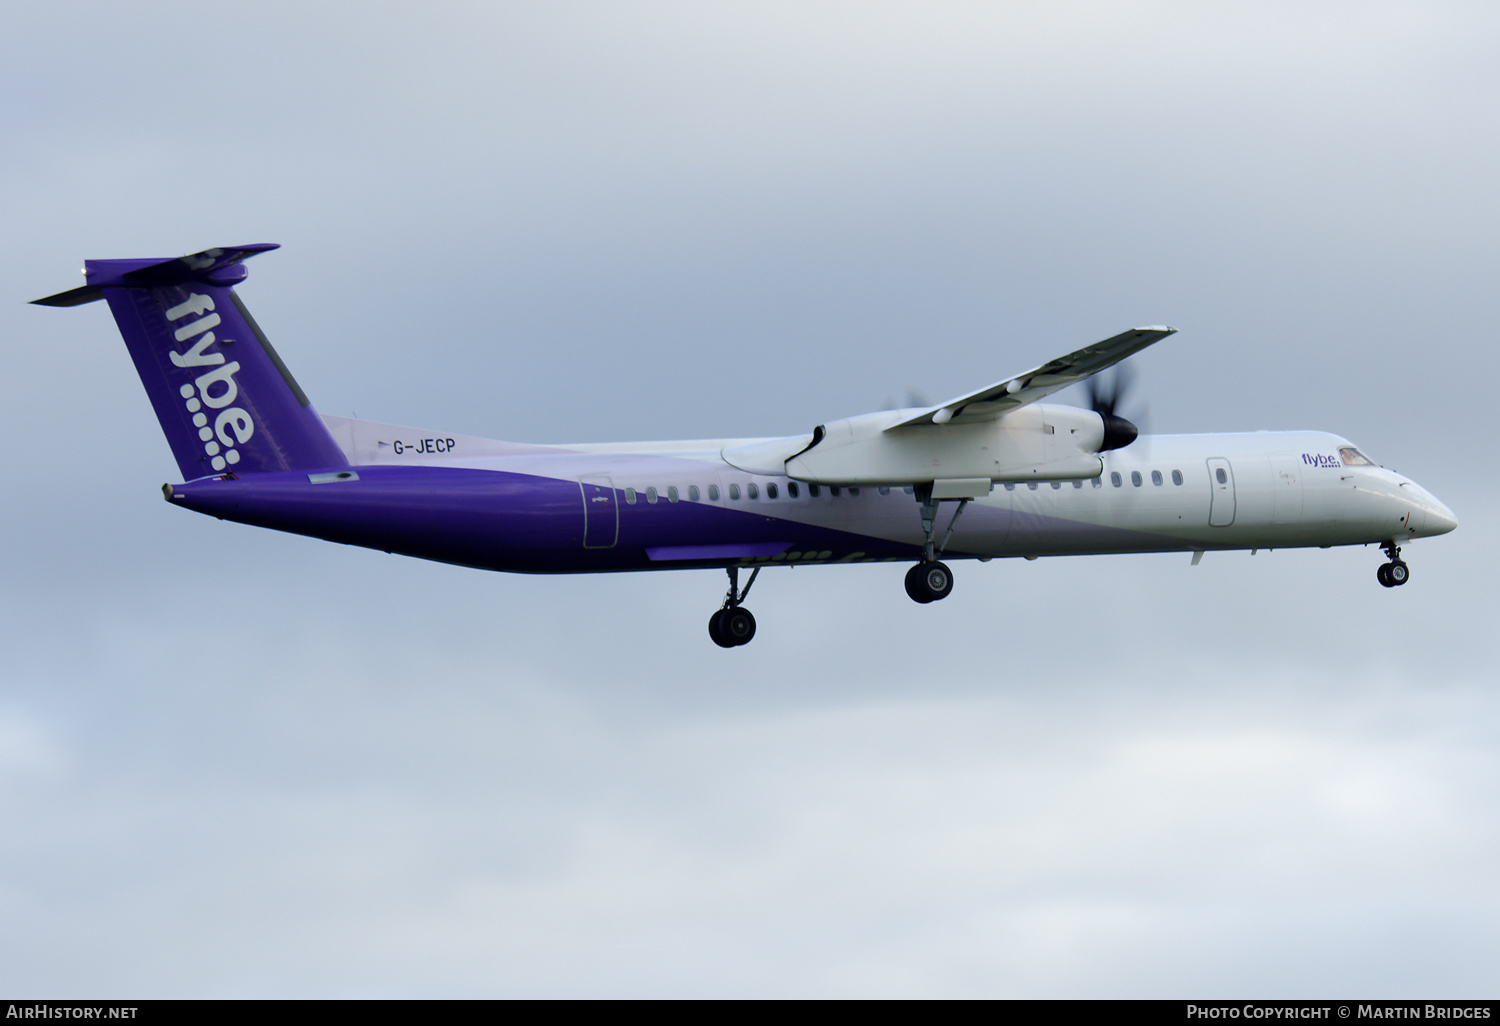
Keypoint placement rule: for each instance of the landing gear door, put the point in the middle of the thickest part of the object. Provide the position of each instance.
(1221, 481)
(601, 513)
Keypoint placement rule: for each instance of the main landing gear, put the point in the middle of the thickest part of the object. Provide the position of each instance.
(1393, 574)
(733, 625)
(931, 580)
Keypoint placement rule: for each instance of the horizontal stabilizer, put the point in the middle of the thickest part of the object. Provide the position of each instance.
(73, 297)
(219, 266)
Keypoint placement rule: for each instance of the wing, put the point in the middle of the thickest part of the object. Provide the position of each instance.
(1004, 396)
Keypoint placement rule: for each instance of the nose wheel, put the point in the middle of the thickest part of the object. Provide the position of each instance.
(1395, 573)
(733, 625)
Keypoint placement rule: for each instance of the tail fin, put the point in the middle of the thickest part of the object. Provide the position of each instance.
(223, 397)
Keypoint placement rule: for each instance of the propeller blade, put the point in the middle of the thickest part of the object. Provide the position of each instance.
(1105, 397)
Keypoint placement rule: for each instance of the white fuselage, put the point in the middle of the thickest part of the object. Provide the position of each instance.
(1162, 493)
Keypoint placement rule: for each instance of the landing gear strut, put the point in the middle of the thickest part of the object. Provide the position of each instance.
(930, 580)
(733, 624)
(1393, 574)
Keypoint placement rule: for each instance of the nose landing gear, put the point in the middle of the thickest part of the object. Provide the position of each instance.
(733, 624)
(1395, 573)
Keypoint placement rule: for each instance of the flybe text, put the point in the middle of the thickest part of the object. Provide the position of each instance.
(213, 389)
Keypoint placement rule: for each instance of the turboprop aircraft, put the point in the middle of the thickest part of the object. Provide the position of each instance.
(1022, 477)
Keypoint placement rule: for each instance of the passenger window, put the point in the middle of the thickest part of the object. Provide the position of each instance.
(630, 496)
(1097, 482)
(854, 491)
(1220, 476)
(1031, 485)
(1135, 478)
(651, 495)
(671, 493)
(771, 490)
(692, 493)
(883, 490)
(734, 491)
(813, 490)
(713, 493)
(752, 490)
(1077, 484)
(833, 490)
(907, 489)
(1010, 486)
(791, 488)
(1056, 485)
(1177, 477)
(1114, 479)
(1156, 477)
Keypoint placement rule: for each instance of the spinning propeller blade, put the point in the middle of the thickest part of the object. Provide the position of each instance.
(1105, 398)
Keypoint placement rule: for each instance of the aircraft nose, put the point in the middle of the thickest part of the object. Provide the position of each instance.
(1440, 519)
(1436, 518)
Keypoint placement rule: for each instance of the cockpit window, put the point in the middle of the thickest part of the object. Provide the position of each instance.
(1354, 458)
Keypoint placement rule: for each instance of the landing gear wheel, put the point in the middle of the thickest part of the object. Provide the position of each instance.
(929, 582)
(735, 626)
(713, 630)
(914, 585)
(1393, 574)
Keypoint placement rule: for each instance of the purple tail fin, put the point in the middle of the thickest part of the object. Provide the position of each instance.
(224, 398)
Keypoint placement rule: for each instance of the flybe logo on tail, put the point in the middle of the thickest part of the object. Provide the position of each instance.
(213, 389)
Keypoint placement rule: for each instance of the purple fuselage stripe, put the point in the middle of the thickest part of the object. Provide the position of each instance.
(497, 520)
(683, 553)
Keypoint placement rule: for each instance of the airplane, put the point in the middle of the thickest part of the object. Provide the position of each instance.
(1022, 477)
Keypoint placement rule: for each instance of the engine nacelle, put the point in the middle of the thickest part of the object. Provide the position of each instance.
(1038, 442)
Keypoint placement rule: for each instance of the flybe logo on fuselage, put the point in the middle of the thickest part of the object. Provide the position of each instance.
(213, 389)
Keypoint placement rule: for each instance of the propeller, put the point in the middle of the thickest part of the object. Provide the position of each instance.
(1105, 397)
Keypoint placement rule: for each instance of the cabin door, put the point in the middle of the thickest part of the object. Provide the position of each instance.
(601, 514)
(1221, 480)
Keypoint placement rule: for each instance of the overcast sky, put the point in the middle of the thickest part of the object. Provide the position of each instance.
(238, 763)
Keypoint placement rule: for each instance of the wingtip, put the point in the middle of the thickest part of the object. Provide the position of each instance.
(1163, 328)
